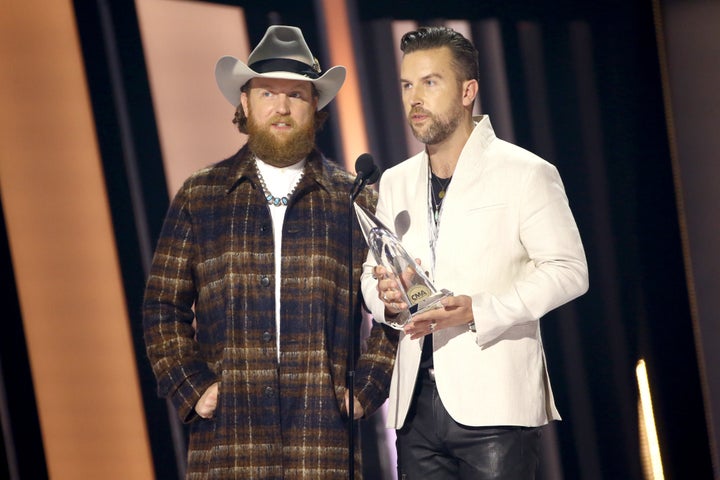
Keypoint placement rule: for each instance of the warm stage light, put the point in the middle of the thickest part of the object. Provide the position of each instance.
(649, 445)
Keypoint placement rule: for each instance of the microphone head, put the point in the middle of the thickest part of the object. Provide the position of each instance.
(365, 166)
(374, 177)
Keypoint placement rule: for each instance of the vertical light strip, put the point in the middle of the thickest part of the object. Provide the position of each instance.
(182, 41)
(649, 436)
(63, 252)
(349, 106)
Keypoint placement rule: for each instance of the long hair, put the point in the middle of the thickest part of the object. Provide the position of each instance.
(464, 54)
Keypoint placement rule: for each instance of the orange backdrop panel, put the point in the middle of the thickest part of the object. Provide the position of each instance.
(63, 251)
(349, 103)
(182, 41)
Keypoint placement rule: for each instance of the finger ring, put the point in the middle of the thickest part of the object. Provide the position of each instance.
(432, 326)
(385, 296)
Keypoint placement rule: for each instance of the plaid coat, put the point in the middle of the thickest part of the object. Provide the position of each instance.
(209, 315)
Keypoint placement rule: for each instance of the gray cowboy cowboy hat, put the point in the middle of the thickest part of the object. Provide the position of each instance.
(282, 53)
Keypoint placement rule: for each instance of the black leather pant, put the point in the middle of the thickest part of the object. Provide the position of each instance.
(432, 446)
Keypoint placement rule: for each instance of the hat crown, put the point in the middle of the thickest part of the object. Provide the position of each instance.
(282, 42)
(281, 54)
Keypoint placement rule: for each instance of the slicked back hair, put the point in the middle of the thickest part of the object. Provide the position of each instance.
(464, 54)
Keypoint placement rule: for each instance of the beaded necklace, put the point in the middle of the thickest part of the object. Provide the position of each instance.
(272, 199)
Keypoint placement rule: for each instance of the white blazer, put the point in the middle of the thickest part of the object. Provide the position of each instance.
(508, 239)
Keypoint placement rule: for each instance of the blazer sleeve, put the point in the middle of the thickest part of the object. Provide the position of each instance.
(556, 269)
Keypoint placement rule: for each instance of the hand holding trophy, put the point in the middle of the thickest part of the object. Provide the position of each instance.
(416, 289)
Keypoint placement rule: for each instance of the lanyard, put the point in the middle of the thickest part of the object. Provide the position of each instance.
(433, 222)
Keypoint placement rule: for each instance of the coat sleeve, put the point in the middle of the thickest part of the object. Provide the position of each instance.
(170, 292)
(375, 366)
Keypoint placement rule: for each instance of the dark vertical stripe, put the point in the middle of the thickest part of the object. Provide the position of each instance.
(386, 119)
(24, 454)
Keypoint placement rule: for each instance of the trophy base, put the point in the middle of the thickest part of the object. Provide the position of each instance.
(430, 302)
(420, 307)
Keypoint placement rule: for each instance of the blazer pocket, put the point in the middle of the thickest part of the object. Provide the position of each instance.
(490, 226)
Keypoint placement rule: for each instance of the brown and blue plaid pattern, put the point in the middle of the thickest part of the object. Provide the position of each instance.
(209, 315)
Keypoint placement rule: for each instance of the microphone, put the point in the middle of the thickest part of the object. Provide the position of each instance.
(367, 174)
(374, 177)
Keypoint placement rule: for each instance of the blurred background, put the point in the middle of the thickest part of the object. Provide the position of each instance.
(107, 106)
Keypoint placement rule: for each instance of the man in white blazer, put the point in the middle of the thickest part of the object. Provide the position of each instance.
(490, 222)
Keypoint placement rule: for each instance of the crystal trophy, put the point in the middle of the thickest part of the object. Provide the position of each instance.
(416, 289)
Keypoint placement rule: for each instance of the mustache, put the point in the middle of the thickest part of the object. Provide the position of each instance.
(282, 119)
(419, 110)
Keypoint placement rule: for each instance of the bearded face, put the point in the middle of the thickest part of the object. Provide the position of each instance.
(433, 94)
(280, 149)
(436, 127)
(281, 116)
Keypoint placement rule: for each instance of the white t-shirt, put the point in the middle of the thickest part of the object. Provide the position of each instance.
(279, 182)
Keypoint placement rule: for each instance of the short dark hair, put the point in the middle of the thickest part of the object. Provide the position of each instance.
(465, 55)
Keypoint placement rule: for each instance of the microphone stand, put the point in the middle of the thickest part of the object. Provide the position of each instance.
(350, 377)
(351, 350)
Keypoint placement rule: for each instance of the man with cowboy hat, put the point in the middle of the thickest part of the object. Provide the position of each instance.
(246, 317)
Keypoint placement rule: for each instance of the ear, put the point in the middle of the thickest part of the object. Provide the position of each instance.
(244, 101)
(469, 92)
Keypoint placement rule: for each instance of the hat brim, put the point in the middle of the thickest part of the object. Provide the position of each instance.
(231, 74)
